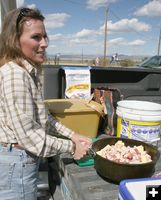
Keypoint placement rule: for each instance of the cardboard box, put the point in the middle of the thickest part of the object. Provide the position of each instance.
(82, 116)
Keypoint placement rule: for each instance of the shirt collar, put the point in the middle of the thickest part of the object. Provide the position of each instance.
(30, 68)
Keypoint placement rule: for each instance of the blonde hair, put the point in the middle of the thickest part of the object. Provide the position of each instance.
(11, 32)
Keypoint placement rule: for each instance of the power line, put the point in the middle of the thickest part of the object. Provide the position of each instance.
(142, 35)
(109, 10)
(74, 2)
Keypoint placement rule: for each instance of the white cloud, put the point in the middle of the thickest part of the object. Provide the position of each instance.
(85, 33)
(90, 37)
(127, 25)
(153, 8)
(137, 43)
(55, 37)
(56, 20)
(117, 41)
(95, 4)
(124, 42)
(20, 3)
(32, 6)
(82, 41)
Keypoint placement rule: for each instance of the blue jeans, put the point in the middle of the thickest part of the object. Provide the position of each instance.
(18, 174)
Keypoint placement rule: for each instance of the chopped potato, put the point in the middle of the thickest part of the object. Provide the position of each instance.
(125, 154)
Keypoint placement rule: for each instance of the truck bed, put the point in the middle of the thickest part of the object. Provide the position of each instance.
(67, 180)
(84, 183)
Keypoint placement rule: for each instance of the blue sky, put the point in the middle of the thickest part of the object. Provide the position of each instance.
(77, 26)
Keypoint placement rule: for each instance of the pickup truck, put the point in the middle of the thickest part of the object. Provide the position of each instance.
(66, 179)
(152, 62)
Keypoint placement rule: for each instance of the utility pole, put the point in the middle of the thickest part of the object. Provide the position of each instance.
(159, 43)
(105, 37)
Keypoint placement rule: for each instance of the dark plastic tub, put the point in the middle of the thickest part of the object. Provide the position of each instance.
(118, 171)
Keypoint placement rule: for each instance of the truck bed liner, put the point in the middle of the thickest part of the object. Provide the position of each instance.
(84, 183)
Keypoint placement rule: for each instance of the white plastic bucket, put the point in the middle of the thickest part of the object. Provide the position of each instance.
(140, 120)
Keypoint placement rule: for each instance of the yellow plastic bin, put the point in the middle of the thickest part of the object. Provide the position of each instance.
(79, 115)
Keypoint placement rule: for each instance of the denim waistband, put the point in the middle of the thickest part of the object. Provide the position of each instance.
(10, 146)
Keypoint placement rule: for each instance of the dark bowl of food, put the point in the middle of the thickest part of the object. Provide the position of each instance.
(121, 158)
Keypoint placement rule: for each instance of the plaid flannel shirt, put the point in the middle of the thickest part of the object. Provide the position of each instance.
(23, 116)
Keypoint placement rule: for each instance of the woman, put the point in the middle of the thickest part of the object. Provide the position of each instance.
(25, 125)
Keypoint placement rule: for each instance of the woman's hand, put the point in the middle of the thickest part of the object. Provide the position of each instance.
(82, 145)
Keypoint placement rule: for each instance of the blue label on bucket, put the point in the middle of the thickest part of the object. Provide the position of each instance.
(140, 131)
